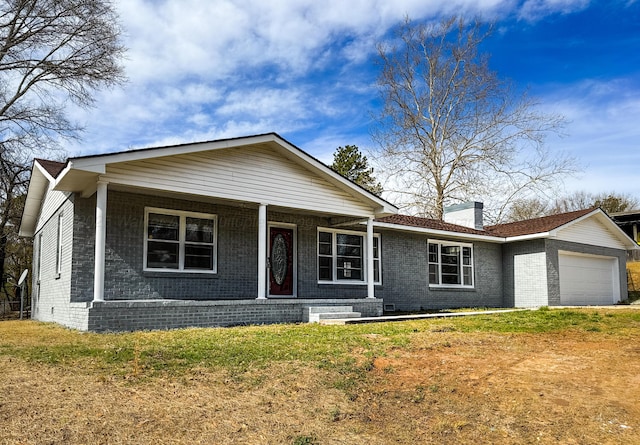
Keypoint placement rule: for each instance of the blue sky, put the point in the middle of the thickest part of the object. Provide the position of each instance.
(209, 69)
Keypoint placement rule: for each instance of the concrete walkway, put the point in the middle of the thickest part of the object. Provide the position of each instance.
(386, 318)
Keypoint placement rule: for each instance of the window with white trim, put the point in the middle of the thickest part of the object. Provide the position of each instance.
(59, 247)
(39, 261)
(450, 264)
(342, 257)
(180, 241)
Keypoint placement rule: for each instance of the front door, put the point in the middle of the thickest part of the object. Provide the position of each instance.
(281, 261)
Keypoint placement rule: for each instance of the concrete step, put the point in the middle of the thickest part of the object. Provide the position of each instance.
(325, 309)
(314, 314)
(315, 318)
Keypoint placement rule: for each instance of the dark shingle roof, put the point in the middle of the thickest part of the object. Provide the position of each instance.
(52, 167)
(518, 228)
(427, 223)
(536, 225)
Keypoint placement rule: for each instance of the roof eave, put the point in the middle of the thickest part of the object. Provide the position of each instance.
(39, 182)
(80, 171)
(435, 232)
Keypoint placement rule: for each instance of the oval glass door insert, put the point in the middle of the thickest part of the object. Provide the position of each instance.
(279, 259)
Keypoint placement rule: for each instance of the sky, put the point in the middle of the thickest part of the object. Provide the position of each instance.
(202, 70)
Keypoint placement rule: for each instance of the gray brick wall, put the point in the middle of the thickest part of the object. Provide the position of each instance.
(146, 315)
(236, 277)
(405, 280)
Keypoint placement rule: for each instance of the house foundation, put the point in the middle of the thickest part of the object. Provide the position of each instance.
(134, 315)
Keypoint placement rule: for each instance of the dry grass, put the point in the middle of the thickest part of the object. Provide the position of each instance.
(570, 377)
(633, 276)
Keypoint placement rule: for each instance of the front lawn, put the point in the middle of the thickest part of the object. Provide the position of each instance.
(546, 376)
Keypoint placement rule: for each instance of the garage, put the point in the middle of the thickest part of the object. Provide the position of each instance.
(588, 279)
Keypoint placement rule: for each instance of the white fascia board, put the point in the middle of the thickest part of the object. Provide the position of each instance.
(441, 233)
(97, 163)
(38, 184)
(529, 237)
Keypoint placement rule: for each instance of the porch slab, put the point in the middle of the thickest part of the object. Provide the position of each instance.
(134, 315)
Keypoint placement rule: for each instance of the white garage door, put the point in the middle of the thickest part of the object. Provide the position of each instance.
(588, 279)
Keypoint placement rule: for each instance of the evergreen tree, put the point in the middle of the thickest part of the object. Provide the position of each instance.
(353, 165)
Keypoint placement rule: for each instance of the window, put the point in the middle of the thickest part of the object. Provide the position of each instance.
(180, 241)
(342, 256)
(39, 262)
(59, 247)
(450, 264)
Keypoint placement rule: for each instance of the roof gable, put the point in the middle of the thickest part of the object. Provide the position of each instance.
(255, 173)
(330, 192)
(80, 174)
(536, 225)
(597, 230)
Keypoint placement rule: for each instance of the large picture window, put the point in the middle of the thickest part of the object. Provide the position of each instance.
(450, 264)
(180, 241)
(342, 257)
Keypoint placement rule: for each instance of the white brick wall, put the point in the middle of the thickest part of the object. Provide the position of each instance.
(51, 295)
(530, 280)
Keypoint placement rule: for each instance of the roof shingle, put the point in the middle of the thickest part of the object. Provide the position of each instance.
(536, 225)
(518, 228)
(428, 223)
(52, 167)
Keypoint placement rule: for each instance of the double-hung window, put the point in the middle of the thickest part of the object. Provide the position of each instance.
(450, 264)
(180, 241)
(342, 257)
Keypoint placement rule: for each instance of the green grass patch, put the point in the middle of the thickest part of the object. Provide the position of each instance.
(347, 351)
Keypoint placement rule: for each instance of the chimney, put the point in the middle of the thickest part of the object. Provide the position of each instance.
(468, 214)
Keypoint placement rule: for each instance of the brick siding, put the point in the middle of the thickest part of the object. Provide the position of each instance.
(405, 279)
(173, 314)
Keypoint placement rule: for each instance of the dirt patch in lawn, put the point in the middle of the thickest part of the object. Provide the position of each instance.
(443, 387)
(514, 389)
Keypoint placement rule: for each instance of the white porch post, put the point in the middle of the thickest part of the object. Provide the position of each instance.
(101, 235)
(370, 277)
(262, 251)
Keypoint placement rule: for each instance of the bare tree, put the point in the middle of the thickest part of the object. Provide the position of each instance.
(451, 130)
(14, 252)
(52, 52)
(610, 202)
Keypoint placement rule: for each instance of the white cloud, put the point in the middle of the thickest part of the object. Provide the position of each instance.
(202, 70)
(603, 133)
(533, 10)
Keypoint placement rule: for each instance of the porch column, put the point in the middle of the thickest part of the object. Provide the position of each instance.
(370, 277)
(262, 251)
(101, 235)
